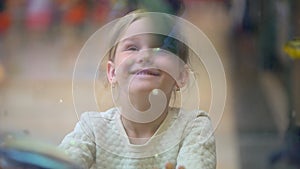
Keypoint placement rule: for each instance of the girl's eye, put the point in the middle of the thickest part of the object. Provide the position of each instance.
(132, 48)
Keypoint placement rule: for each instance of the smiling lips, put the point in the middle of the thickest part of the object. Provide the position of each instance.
(148, 72)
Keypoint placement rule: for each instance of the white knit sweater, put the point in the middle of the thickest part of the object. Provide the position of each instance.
(184, 138)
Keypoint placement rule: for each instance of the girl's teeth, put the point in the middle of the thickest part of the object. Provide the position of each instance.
(145, 73)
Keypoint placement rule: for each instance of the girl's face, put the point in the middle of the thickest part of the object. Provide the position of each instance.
(140, 65)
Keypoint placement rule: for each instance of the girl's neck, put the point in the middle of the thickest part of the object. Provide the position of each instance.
(140, 133)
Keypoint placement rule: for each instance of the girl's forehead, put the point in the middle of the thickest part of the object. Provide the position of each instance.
(144, 38)
(145, 25)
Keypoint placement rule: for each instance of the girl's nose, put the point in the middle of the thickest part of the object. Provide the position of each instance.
(145, 57)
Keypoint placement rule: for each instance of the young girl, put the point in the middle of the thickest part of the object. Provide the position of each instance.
(144, 69)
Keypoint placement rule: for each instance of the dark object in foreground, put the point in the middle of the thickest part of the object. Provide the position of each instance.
(25, 153)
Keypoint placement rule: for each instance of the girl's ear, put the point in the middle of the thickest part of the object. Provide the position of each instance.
(110, 72)
(183, 77)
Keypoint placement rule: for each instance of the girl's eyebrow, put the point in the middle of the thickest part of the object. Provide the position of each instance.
(130, 39)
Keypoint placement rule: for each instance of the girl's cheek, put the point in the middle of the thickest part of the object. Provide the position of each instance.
(129, 61)
(124, 66)
(172, 66)
(125, 59)
(125, 63)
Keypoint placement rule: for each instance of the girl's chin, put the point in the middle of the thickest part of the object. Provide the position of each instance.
(143, 85)
(141, 89)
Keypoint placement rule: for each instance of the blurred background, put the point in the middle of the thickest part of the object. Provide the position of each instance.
(41, 39)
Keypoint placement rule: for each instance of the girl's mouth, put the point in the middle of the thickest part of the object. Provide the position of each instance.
(148, 72)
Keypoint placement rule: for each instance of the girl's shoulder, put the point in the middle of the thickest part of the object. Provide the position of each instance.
(189, 114)
(186, 119)
(109, 114)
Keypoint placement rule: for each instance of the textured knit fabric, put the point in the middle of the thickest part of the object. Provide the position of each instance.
(100, 141)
